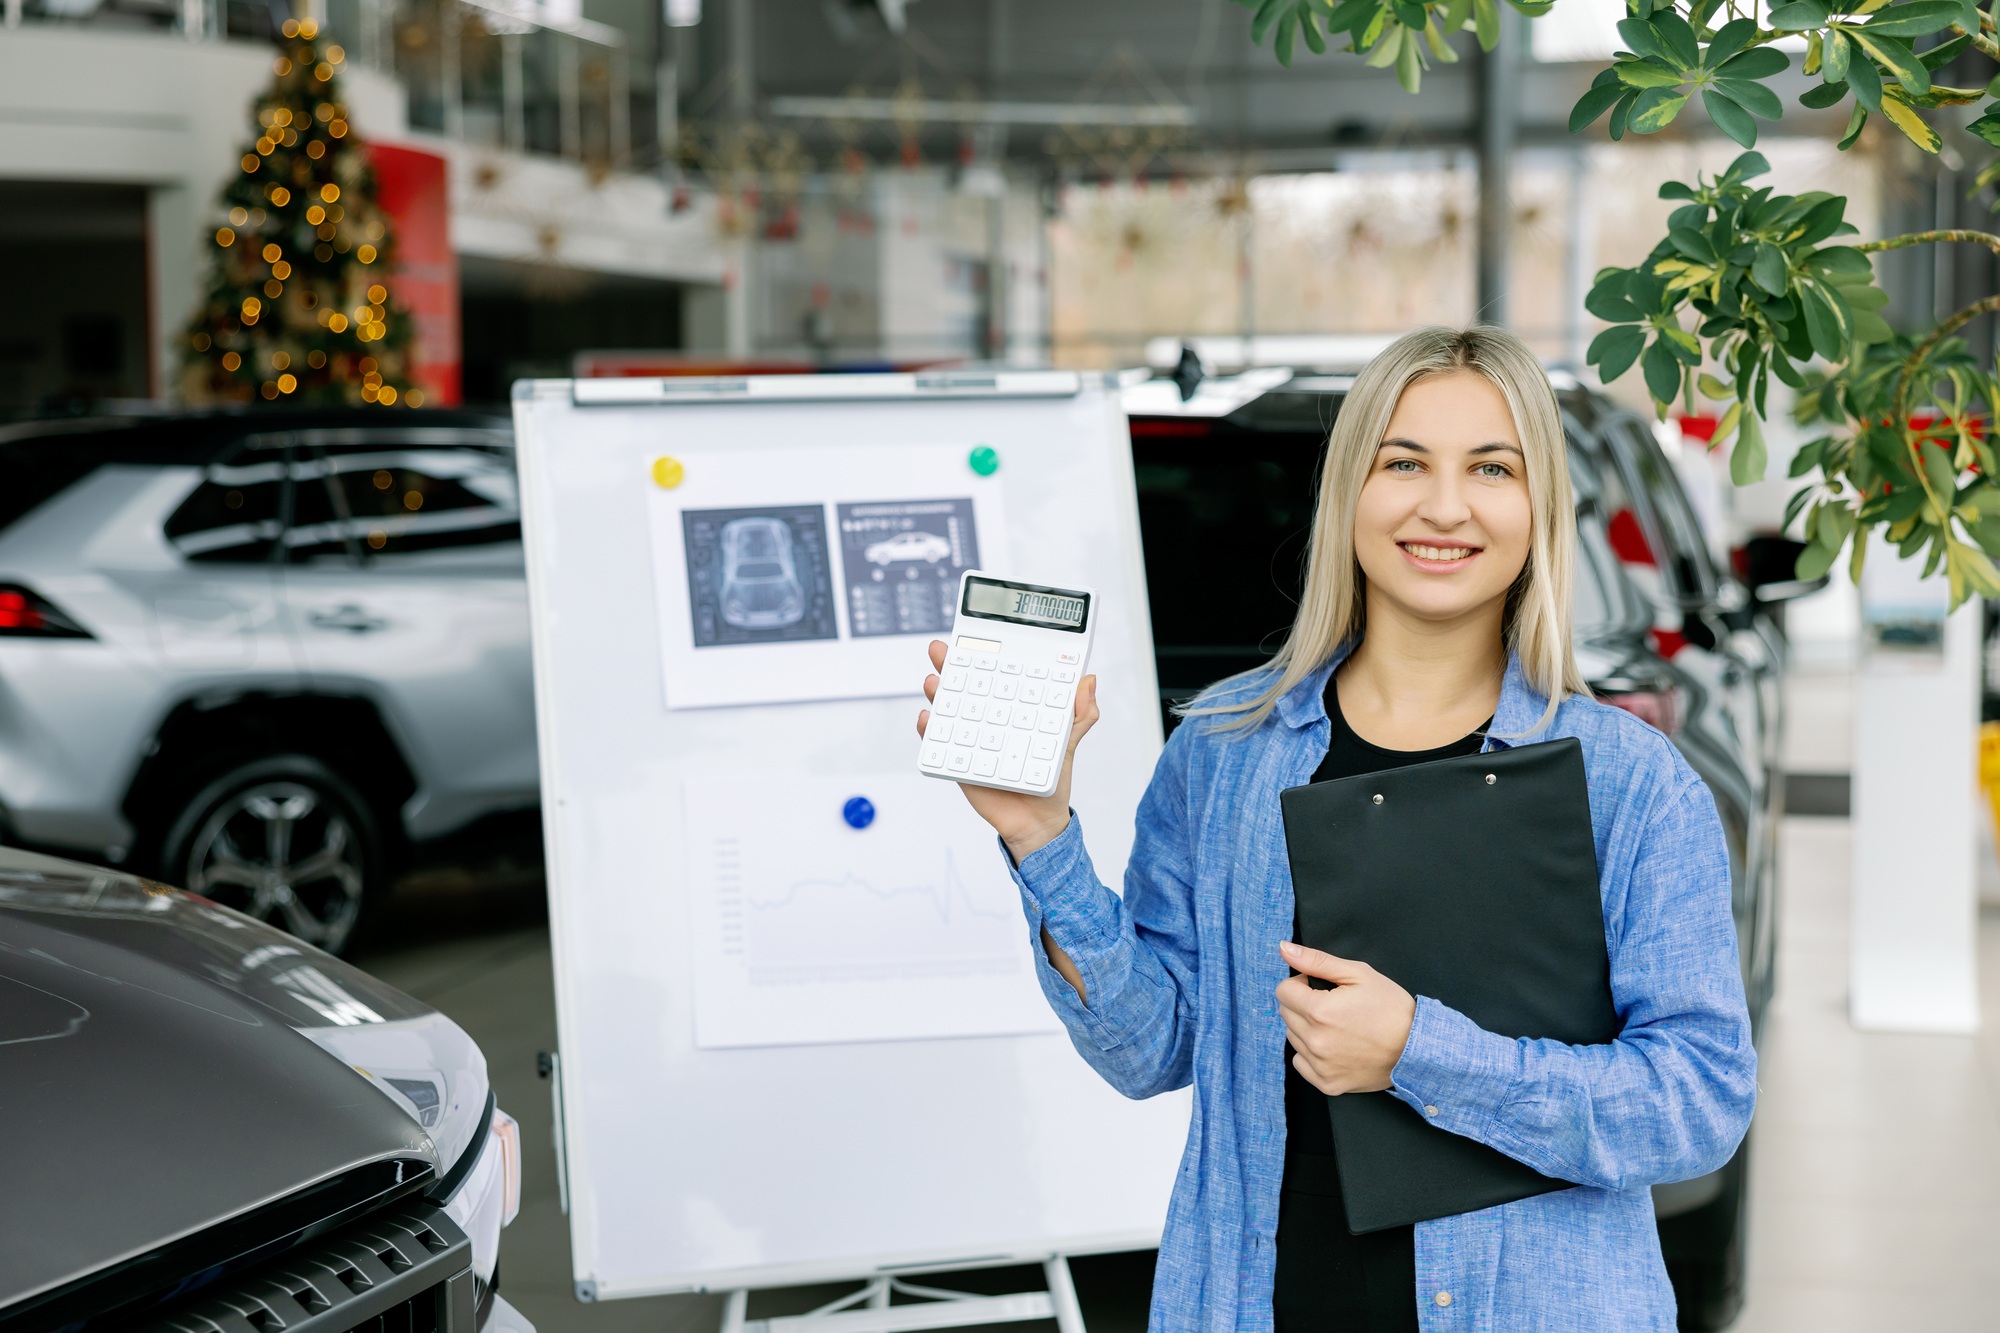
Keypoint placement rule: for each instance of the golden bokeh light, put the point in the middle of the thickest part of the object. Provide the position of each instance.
(225, 238)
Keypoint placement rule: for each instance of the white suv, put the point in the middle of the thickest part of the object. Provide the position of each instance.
(262, 655)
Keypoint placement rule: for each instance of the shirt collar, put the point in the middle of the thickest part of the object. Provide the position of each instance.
(1520, 709)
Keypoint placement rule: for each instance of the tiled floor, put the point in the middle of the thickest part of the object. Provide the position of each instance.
(1875, 1197)
(1875, 1172)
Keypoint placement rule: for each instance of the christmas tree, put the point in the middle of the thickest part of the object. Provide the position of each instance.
(298, 307)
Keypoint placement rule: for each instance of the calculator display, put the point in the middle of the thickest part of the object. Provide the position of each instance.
(1026, 604)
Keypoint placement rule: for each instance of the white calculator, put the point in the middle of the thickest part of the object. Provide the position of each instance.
(1007, 694)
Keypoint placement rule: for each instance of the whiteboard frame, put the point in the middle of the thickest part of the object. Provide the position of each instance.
(573, 1148)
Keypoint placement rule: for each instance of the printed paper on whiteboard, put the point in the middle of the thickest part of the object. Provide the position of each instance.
(778, 578)
(809, 931)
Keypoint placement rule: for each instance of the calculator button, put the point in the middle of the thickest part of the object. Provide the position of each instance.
(1065, 674)
(985, 661)
(1009, 667)
(985, 765)
(1031, 691)
(1005, 687)
(972, 710)
(1038, 672)
(1051, 722)
(952, 679)
(1010, 768)
(945, 705)
(1043, 748)
(979, 684)
(1024, 717)
(1058, 696)
(960, 759)
(997, 713)
(1037, 774)
(939, 730)
(1017, 744)
(1070, 658)
(933, 756)
(990, 738)
(959, 657)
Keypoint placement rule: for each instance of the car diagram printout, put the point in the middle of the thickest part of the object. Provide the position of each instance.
(792, 575)
(809, 930)
(902, 560)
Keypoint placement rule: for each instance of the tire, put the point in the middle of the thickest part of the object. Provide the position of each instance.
(1704, 1250)
(285, 840)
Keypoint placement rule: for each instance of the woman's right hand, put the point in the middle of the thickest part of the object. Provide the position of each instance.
(1025, 823)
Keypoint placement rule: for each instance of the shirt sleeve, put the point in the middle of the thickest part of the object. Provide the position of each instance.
(1135, 955)
(1671, 1098)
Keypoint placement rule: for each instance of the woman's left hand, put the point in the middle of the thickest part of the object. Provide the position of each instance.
(1347, 1039)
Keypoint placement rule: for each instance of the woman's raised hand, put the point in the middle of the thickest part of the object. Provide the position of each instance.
(1025, 823)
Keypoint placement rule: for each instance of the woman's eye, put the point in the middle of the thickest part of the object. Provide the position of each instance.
(1496, 470)
(1403, 465)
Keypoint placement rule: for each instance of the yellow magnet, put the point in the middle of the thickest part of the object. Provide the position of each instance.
(668, 472)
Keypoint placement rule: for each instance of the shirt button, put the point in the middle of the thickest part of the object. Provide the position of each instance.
(1443, 1298)
(1432, 1110)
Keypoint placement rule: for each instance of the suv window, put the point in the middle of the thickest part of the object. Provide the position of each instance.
(405, 499)
(233, 516)
(1688, 570)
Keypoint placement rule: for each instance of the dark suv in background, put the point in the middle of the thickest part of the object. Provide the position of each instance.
(1228, 474)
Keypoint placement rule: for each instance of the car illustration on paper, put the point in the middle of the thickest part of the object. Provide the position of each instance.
(760, 580)
(908, 546)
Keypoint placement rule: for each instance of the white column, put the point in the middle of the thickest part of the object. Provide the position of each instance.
(1913, 966)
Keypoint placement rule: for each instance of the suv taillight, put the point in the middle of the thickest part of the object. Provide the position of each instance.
(25, 614)
(1660, 709)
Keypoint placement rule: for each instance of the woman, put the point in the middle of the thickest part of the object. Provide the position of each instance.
(1435, 621)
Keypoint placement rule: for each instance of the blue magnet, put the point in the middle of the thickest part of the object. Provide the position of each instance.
(859, 812)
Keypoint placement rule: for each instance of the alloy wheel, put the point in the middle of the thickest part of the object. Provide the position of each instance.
(286, 853)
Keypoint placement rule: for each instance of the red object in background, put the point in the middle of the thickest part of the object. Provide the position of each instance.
(1660, 709)
(1699, 428)
(412, 188)
(1628, 539)
(1666, 642)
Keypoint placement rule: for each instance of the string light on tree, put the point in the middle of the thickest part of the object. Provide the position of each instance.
(299, 307)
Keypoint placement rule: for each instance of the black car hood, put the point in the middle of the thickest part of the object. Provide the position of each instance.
(142, 1101)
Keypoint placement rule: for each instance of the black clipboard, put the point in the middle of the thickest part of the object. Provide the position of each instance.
(1472, 880)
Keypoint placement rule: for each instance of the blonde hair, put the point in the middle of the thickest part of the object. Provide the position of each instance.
(1332, 609)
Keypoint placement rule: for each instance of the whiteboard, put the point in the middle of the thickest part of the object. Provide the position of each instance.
(863, 1075)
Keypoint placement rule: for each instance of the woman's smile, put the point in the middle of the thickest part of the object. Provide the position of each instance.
(1439, 557)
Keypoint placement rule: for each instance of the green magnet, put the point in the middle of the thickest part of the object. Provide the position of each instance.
(985, 460)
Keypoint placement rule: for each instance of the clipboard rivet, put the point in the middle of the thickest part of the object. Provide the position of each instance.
(1490, 779)
(1378, 798)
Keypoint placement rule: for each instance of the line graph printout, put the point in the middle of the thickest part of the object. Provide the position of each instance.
(810, 930)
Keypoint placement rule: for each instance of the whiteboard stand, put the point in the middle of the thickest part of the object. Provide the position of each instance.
(869, 1311)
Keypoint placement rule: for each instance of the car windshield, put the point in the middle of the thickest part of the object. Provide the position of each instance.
(763, 569)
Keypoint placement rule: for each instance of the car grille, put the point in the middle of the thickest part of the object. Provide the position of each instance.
(405, 1270)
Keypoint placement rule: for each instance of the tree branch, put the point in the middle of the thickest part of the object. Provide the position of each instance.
(1980, 41)
(1987, 239)
(1952, 324)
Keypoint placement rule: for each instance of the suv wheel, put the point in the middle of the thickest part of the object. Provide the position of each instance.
(284, 840)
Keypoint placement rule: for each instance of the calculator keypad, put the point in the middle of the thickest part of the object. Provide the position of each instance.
(1000, 717)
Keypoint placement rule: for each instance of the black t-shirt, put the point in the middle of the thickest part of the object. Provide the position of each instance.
(1327, 1277)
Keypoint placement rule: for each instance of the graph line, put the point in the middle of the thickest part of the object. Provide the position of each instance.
(940, 896)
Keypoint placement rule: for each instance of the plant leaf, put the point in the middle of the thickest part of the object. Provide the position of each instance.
(1758, 63)
(1749, 458)
(1646, 74)
(1768, 269)
(1620, 113)
(1663, 371)
(1894, 55)
(1728, 40)
(1730, 118)
(1915, 18)
(1905, 118)
(1486, 22)
(1853, 131)
(1656, 109)
(1288, 32)
(1614, 350)
(1822, 95)
(1798, 16)
(1815, 560)
(1824, 325)
(1409, 63)
(1645, 40)
(1752, 97)
(1839, 53)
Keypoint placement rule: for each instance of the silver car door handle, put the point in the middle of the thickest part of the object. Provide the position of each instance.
(350, 618)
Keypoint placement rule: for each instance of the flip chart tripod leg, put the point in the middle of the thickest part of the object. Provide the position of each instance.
(1062, 1295)
(732, 1310)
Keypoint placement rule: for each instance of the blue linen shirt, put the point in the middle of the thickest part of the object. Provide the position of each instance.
(1182, 972)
